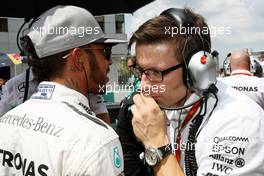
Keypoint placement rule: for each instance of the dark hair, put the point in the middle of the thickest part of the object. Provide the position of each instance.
(154, 31)
(5, 72)
(44, 68)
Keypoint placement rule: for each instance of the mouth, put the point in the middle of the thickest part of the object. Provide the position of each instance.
(153, 95)
(156, 97)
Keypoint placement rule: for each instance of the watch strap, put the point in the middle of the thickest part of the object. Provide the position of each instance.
(165, 150)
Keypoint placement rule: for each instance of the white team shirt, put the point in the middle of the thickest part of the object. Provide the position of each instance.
(251, 86)
(55, 133)
(230, 141)
(14, 89)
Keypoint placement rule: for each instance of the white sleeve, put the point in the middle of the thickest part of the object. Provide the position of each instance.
(108, 160)
(7, 98)
(97, 104)
(232, 147)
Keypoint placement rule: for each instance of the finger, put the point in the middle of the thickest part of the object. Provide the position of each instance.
(138, 129)
(135, 112)
(149, 101)
(138, 101)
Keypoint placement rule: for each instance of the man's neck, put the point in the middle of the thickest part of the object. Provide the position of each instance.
(70, 83)
(241, 72)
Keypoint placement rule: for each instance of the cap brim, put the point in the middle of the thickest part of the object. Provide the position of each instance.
(108, 40)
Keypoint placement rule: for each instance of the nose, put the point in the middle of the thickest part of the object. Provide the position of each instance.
(145, 83)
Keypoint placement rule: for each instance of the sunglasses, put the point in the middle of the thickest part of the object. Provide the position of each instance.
(107, 52)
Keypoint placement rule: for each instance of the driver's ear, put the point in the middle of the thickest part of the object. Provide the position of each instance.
(77, 59)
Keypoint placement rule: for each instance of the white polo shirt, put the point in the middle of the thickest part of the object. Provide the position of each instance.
(242, 81)
(230, 141)
(55, 133)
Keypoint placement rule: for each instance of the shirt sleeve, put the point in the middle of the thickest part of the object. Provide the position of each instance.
(97, 104)
(108, 160)
(7, 99)
(232, 145)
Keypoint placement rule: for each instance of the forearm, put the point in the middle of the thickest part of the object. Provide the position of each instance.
(169, 166)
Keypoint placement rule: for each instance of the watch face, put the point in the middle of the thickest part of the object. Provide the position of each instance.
(151, 156)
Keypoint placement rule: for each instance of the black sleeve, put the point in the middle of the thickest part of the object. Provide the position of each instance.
(131, 147)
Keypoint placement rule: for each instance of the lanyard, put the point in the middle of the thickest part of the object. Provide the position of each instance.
(184, 123)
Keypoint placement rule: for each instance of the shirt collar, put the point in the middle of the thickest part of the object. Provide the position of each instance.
(51, 91)
(172, 114)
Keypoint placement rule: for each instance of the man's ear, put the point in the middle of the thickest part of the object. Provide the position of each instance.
(77, 60)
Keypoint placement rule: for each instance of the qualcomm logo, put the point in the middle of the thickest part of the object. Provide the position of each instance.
(117, 158)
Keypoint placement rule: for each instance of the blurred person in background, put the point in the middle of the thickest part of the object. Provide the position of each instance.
(242, 79)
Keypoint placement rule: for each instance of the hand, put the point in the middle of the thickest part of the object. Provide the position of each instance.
(149, 121)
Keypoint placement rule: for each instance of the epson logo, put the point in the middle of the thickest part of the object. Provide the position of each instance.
(228, 149)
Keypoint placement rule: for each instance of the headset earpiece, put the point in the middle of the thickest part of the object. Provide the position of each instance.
(200, 72)
(227, 67)
(253, 66)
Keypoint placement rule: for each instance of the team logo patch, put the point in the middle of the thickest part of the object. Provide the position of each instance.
(44, 91)
(240, 162)
(21, 87)
(117, 158)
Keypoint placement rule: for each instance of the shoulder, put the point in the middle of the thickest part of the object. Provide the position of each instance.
(235, 103)
(234, 113)
(18, 78)
(241, 78)
(86, 125)
(234, 131)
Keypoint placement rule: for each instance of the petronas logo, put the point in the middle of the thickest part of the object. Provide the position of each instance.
(117, 158)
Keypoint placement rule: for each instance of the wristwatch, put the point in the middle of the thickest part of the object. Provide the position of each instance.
(153, 156)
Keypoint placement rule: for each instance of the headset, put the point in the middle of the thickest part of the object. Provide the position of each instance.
(227, 66)
(200, 70)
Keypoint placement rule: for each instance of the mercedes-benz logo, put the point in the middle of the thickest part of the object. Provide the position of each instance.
(21, 87)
